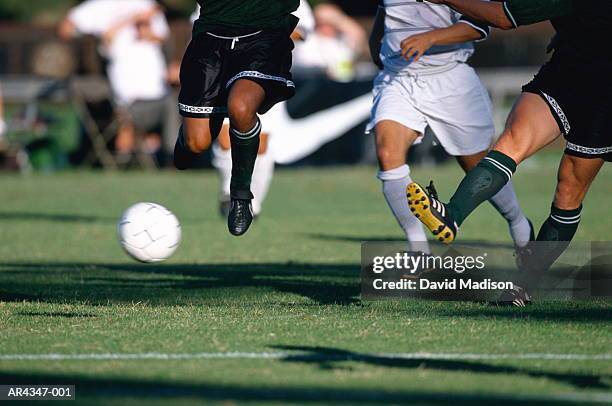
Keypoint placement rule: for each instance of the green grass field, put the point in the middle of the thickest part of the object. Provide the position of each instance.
(289, 288)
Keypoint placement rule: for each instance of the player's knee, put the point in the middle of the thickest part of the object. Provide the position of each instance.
(388, 156)
(196, 142)
(242, 114)
(570, 193)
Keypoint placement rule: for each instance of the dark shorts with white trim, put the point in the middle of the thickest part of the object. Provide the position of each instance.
(216, 60)
(580, 99)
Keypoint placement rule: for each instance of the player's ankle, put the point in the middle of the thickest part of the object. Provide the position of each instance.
(241, 194)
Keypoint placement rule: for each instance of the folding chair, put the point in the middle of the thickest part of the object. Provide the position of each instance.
(86, 92)
(83, 92)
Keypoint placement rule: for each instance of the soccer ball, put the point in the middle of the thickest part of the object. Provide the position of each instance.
(149, 232)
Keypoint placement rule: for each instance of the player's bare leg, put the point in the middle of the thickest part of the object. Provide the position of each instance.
(506, 203)
(195, 137)
(392, 143)
(574, 180)
(530, 127)
(262, 174)
(244, 100)
(575, 177)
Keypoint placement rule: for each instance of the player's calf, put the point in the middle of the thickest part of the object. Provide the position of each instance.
(244, 153)
(183, 155)
(575, 177)
(194, 137)
(392, 142)
(244, 101)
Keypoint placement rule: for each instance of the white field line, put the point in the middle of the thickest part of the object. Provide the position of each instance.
(307, 355)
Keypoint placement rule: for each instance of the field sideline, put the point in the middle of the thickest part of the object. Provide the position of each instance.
(275, 315)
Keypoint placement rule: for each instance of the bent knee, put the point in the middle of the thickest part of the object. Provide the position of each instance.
(198, 142)
(390, 158)
(242, 114)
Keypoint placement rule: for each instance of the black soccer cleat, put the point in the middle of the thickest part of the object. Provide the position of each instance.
(183, 157)
(240, 216)
(517, 297)
(425, 206)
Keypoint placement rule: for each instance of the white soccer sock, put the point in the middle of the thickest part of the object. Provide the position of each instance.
(395, 182)
(262, 177)
(506, 203)
(222, 161)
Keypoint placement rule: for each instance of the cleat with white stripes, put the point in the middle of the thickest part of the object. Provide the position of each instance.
(425, 206)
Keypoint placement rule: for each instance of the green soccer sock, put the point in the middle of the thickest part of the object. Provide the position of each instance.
(557, 231)
(553, 239)
(480, 184)
(244, 153)
(561, 225)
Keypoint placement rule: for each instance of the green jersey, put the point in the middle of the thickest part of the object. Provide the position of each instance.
(525, 12)
(584, 27)
(245, 15)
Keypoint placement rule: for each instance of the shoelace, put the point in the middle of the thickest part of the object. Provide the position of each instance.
(431, 189)
(240, 208)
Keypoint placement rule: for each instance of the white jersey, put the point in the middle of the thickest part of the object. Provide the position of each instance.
(404, 18)
(137, 68)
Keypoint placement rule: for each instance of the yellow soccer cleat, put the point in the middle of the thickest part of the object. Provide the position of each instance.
(425, 206)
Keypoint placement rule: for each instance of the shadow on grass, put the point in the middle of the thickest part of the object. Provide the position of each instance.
(134, 390)
(272, 284)
(57, 217)
(396, 239)
(579, 311)
(328, 358)
(177, 284)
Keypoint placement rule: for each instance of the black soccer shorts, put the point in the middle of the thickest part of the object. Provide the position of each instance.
(580, 99)
(213, 62)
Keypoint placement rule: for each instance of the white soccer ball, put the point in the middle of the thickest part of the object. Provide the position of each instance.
(149, 232)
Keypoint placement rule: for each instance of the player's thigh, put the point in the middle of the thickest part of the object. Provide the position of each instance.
(200, 132)
(392, 143)
(575, 177)
(530, 127)
(396, 122)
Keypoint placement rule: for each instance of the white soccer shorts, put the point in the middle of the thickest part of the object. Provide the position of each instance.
(453, 105)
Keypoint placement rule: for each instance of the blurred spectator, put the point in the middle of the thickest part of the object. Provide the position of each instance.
(132, 34)
(336, 43)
